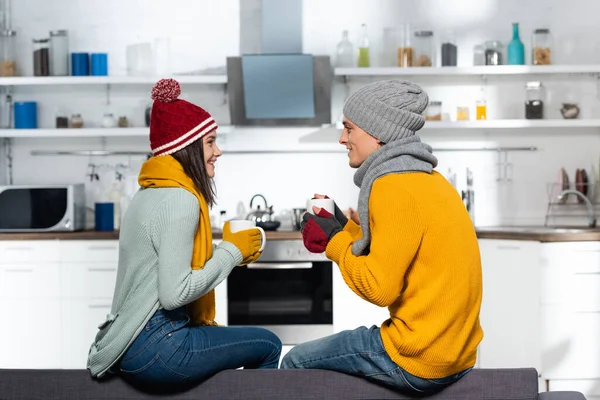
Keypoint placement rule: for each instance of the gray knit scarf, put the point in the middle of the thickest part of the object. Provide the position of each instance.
(399, 156)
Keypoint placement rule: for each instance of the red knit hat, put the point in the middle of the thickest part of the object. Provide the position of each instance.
(174, 123)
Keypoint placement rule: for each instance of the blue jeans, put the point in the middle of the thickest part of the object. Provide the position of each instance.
(360, 352)
(170, 352)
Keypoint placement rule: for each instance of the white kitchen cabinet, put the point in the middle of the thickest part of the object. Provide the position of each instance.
(31, 334)
(510, 310)
(349, 310)
(571, 311)
(81, 318)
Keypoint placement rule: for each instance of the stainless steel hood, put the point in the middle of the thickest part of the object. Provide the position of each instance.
(273, 83)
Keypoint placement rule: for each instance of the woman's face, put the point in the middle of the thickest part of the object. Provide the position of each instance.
(211, 152)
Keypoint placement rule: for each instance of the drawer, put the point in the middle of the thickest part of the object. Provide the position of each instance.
(89, 251)
(17, 251)
(30, 281)
(88, 280)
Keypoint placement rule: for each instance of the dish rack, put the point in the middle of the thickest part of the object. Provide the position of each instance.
(571, 210)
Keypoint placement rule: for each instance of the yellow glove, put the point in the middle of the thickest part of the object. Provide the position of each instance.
(248, 242)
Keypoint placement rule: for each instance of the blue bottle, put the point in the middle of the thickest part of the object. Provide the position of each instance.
(516, 49)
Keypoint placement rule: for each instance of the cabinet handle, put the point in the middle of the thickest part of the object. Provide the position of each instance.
(102, 248)
(96, 306)
(19, 248)
(19, 270)
(102, 269)
(502, 247)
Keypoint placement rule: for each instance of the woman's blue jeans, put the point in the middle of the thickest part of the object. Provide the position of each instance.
(169, 351)
(360, 352)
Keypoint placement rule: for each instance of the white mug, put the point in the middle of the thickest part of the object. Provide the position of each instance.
(327, 204)
(237, 225)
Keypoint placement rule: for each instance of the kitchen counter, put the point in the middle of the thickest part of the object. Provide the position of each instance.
(533, 233)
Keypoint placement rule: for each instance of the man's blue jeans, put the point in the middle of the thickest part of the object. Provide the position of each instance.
(170, 352)
(360, 352)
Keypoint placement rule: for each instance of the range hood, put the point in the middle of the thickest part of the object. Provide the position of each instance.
(273, 83)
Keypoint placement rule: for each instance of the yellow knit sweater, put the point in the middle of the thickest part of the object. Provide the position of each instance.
(424, 265)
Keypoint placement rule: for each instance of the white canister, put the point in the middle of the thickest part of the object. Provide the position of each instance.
(109, 121)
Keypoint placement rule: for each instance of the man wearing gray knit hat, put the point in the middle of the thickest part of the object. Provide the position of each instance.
(413, 251)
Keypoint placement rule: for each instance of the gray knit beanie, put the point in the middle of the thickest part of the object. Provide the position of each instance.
(388, 110)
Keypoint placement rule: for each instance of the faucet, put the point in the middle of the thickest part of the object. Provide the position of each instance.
(590, 207)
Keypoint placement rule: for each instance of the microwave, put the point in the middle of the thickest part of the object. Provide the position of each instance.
(42, 208)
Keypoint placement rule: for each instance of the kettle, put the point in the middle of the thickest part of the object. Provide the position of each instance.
(257, 215)
(263, 218)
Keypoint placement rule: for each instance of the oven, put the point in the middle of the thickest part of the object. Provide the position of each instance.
(288, 291)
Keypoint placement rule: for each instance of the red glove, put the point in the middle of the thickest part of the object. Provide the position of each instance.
(317, 230)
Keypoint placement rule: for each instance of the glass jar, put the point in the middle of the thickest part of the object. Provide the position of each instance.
(481, 109)
(109, 121)
(494, 53)
(8, 56)
(541, 44)
(462, 113)
(123, 122)
(62, 120)
(41, 57)
(449, 50)
(534, 103)
(478, 55)
(59, 53)
(76, 121)
(404, 52)
(424, 49)
(434, 111)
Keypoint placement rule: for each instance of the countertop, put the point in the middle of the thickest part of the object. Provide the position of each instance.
(539, 234)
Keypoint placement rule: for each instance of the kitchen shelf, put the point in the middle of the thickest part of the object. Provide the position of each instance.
(471, 71)
(84, 132)
(513, 124)
(108, 80)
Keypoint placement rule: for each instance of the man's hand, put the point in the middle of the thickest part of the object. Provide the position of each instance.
(318, 229)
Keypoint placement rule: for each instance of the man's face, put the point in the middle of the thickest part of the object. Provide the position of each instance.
(359, 143)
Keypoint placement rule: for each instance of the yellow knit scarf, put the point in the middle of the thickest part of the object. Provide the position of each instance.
(163, 172)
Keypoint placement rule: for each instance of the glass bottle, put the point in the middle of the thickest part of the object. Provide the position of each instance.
(481, 107)
(41, 57)
(494, 50)
(76, 121)
(516, 49)
(59, 53)
(344, 52)
(449, 50)
(534, 103)
(363, 49)
(541, 44)
(434, 111)
(8, 56)
(425, 52)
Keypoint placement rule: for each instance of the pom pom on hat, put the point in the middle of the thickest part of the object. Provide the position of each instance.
(166, 91)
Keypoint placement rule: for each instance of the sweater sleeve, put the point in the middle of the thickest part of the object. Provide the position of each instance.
(173, 234)
(396, 232)
(353, 229)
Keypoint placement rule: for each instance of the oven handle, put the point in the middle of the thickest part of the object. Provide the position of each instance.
(305, 265)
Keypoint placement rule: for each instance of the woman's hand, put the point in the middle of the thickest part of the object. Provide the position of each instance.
(248, 242)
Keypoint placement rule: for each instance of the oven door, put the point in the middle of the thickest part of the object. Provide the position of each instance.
(293, 299)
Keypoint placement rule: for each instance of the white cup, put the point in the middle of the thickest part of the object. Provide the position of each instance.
(327, 204)
(237, 225)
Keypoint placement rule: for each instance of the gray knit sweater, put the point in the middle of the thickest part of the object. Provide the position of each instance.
(155, 254)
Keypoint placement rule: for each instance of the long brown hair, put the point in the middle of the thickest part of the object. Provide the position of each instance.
(192, 160)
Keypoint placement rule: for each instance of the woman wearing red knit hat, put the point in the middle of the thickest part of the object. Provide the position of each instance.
(161, 330)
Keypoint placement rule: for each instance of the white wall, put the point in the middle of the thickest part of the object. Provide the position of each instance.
(204, 32)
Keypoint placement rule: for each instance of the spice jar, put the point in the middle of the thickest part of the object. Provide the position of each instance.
(449, 50)
(434, 111)
(59, 53)
(41, 57)
(62, 121)
(405, 52)
(424, 50)
(76, 121)
(541, 44)
(534, 104)
(8, 56)
(123, 122)
(108, 121)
